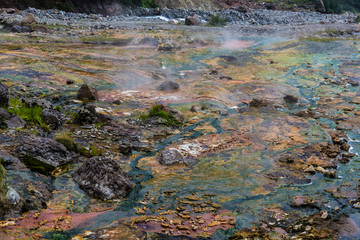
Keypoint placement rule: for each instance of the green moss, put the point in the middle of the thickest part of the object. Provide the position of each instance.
(157, 111)
(29, 114)
(58, 108)
(90, 152)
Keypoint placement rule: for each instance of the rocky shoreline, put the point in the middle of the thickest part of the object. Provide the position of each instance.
(176, 16)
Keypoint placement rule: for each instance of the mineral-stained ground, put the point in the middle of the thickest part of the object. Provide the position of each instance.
(260, 140)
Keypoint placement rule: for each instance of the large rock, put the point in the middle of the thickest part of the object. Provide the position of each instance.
(29, 19)
(103, 178)
(170, 156)
(88, 115)
(4, 95)
(192, 20)
(168, 86)
(43, 154)
(87, 92)
(51, 117)
(8, 120)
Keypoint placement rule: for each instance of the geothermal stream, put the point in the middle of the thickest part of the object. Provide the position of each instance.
(234, 175)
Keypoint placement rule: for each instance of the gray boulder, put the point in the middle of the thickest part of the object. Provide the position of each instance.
(192, 20)
(168, 86)
(51, 117)
(103, 178)
(170, 156)
(8, 120)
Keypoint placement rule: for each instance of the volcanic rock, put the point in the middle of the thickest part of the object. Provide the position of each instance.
(51, 117)
(168, 86)
(4, 95)
(88, 115)
(103, 178)
(170, 156)
(192, 20)
(43, 154)
(291, 99)
(87, 92)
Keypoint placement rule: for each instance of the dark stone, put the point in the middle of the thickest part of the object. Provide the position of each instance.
(20, 29)
(117, 102)
(259, 102)
(195, 108)
(192, 20)
(87, 92)
(103, 178)
(170, 157)
(227, 78)
(291, 99)
(43, 154)
(4, 95)
(287, 158)
(88, 115)
(168, 86)
(214, 72)
(69, 82)
(51, 117)
(270, 6)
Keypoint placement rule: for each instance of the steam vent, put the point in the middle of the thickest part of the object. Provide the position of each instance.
(179, 120)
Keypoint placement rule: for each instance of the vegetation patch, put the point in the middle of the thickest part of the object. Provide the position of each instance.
(157, 111)
(216, 21)
(67, 141)
(91, 151)
(29, 114)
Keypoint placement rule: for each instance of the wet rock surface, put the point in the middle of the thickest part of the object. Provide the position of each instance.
(103, 178)
(43, 154)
